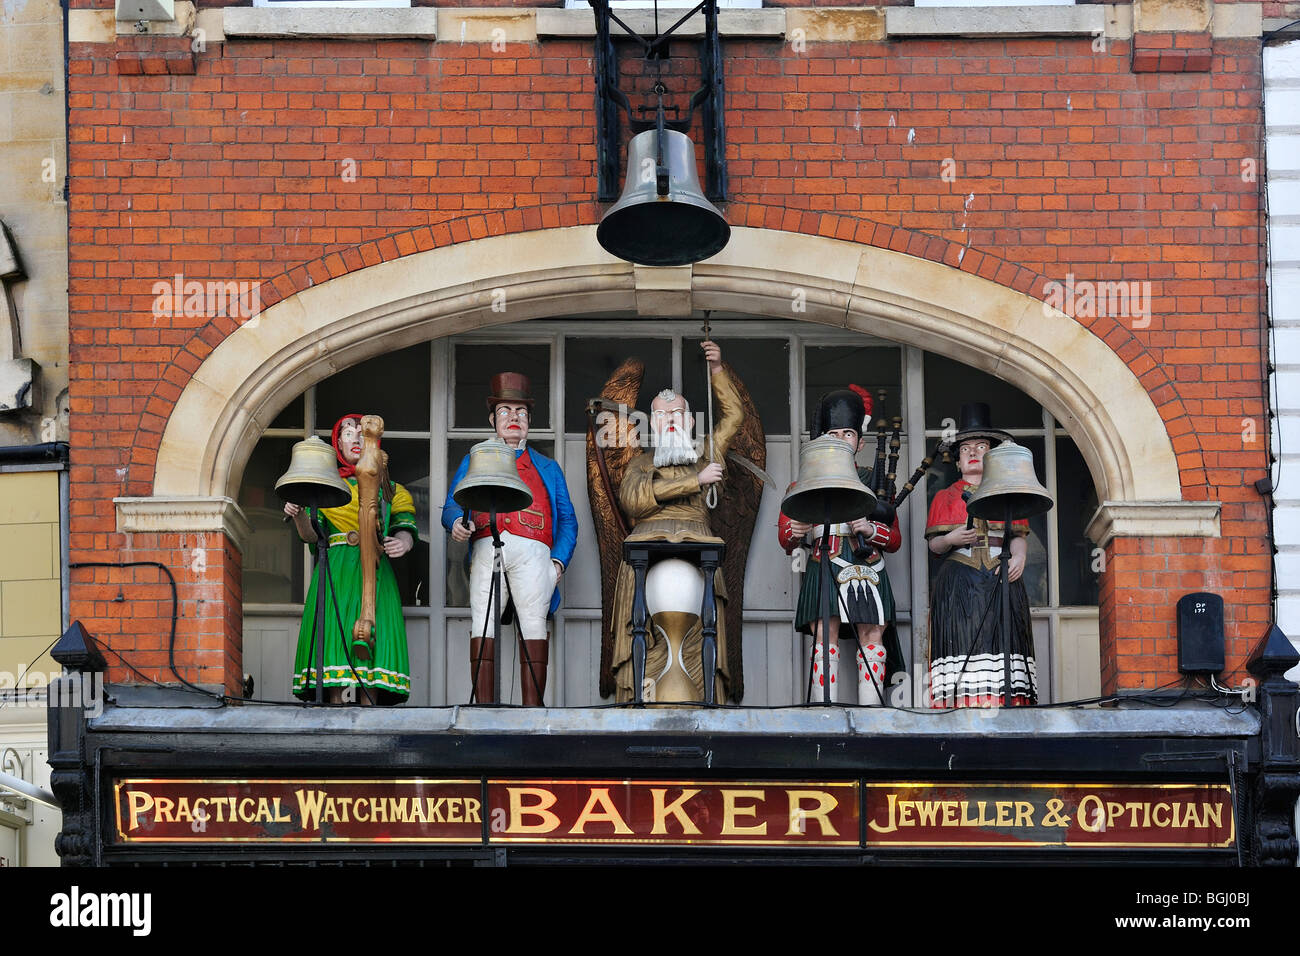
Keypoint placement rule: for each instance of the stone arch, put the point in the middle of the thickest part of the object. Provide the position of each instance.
(920, 290)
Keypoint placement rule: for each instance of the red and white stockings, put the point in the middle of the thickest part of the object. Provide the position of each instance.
(871, 674)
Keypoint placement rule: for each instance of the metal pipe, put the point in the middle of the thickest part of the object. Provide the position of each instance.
(26, 454)
(30, 790)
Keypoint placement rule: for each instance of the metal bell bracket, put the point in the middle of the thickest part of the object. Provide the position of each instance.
(610, 100)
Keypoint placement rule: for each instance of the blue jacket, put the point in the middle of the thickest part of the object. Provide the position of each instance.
(564, 523)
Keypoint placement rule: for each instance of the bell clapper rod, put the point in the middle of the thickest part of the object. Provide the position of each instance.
(318, 629)
(711, 493)
(827, 582)
(1004, 558)
(494, 610)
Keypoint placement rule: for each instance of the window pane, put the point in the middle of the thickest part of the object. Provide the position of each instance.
(873, 367)
(950, 384)
(475, 366)
(291, 416)
(457, 584)
(408, 465)
(273, 555)
(394, 386)
(762, 364)
(589, 362)
(1076, 503)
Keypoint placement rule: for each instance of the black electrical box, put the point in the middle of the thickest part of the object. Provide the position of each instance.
(1200, 633)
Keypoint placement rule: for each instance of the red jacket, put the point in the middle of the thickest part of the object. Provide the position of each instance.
(789, 540)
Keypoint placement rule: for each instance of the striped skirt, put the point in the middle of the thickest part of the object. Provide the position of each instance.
(967, 664)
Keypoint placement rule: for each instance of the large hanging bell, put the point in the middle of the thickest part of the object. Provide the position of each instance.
(662, 220)
(1009, 481)
(492, 481)
(828, 489)
(312, 480)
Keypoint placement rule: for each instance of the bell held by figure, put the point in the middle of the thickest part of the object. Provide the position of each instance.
(662, 220)
(492, 481)
(828, 489)
(1009, 480)
(312, 479)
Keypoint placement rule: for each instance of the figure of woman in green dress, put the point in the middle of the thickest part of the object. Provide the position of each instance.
(386, 678)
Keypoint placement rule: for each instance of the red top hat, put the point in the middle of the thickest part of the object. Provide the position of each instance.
(510, 387)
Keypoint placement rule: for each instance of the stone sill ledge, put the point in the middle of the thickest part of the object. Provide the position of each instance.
(529, 25)
(907, 22)
(1127, 720)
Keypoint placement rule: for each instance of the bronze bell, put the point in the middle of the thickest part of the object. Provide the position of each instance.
(828, 489)
(492, 481)
(1009, 480)
(313, 477)
(662, 218)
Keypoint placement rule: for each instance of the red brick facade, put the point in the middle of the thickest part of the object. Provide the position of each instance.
(1064, 161)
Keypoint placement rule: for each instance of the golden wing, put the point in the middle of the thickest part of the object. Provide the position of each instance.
(611, 438)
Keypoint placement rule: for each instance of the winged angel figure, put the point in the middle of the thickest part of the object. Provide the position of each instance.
(658, 493)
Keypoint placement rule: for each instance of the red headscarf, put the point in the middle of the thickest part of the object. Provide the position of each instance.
(345, 470)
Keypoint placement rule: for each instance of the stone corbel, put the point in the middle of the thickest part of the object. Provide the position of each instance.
(663, 290)
(180, 514)
(1154, 519)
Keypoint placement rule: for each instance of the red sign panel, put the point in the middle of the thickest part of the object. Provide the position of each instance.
(299, 811)
(676, 812)
(1053, 814)
(673, 812)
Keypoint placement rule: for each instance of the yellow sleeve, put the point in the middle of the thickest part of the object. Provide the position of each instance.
(402, 511)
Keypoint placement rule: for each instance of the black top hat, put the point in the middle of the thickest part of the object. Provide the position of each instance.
(842, 408)
(976, 422)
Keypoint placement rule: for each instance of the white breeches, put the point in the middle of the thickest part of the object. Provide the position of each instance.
(529, 579)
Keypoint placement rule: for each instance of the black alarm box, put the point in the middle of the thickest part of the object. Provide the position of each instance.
(1200, 633)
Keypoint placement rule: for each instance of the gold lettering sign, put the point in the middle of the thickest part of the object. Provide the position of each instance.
(762, 813)
(1037, 815)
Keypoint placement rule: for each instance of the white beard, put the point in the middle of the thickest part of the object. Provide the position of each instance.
(674, 448)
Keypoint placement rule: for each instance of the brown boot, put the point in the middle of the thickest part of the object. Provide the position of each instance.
(532, 671)
(482, 669)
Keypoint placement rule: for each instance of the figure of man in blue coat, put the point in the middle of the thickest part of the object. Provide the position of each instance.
(538, 543)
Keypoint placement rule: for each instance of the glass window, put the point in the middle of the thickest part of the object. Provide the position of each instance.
(475, 366)
(763, 366)
(291, 416)
(837, 366)
(589, 362)
(1076, 503)
(394, 386)
(950, 384)
(273, 554)
(408, 465)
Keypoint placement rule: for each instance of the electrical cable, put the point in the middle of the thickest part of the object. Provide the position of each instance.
(171, 641)
(17, 682)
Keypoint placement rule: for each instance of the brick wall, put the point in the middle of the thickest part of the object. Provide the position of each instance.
(1026, 160)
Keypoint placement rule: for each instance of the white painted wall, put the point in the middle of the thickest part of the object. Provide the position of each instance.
(1282, 121)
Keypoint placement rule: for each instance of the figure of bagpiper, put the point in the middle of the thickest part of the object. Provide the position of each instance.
(865, 599)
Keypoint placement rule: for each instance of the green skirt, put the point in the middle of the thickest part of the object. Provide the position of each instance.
(388, 676)
(808, 609)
